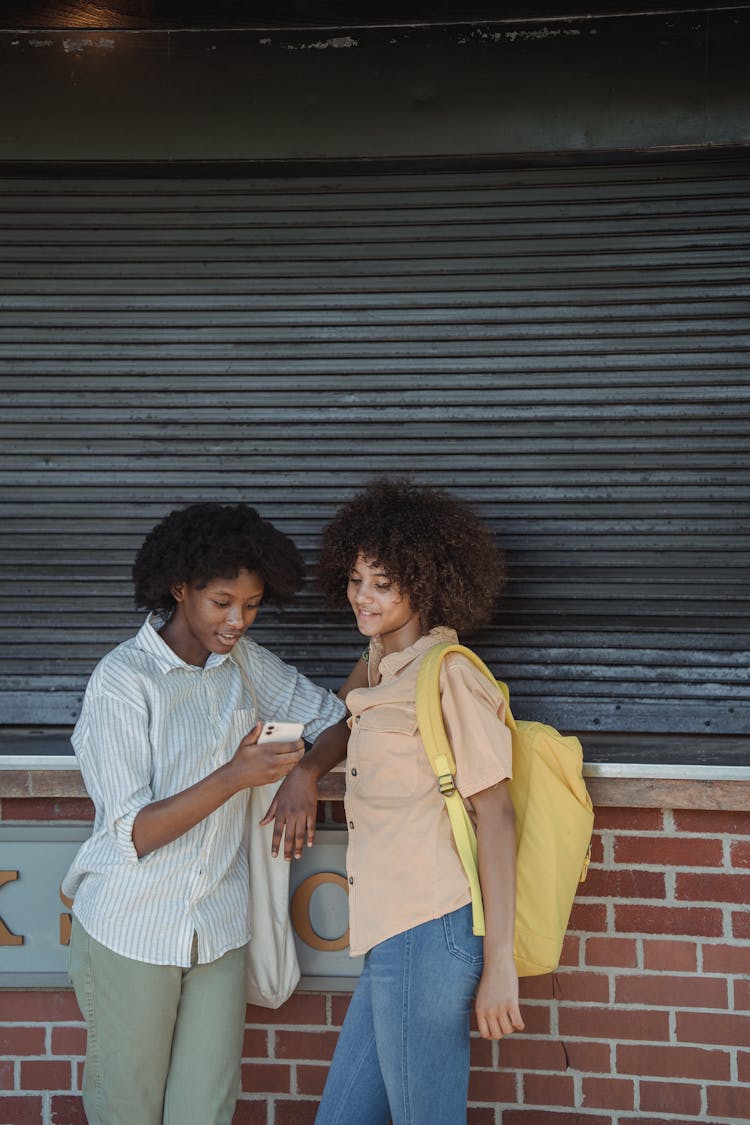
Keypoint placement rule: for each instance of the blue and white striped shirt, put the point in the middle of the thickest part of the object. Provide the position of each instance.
(151, 726)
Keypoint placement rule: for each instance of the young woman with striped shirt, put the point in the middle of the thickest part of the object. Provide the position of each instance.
(167, 743)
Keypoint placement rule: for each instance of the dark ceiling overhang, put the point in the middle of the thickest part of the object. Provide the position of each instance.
(153, 14)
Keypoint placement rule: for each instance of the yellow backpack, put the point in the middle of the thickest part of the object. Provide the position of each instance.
(554, 818)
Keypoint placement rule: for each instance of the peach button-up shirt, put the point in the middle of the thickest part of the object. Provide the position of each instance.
(402, 865)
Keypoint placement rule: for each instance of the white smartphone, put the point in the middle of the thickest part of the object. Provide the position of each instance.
(281, 732)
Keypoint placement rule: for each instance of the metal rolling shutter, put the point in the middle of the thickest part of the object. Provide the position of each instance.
(567, 347)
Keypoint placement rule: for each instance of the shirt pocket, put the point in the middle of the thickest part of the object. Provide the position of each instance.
(387, 749)
(241, 722)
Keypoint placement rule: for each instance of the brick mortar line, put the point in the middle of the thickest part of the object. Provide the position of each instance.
(635, 900)
(704, 1097)
(618, 1114)
(676, 833)
(531, 1002)
(637, 971)
(681, 1080)
(669, 898)
(670, 868)
(672, 1008)
(621, 1115)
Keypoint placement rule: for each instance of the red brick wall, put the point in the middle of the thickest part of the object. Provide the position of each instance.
(648, 1019)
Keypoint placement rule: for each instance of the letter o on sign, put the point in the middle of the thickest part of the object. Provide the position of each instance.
(300, 912)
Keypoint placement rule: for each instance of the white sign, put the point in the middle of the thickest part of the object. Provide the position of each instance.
(35, 920)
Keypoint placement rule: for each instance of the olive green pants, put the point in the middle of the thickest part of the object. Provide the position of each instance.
(164, 1043)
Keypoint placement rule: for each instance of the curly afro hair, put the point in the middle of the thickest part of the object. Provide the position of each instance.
(429, 543)
(206, 541)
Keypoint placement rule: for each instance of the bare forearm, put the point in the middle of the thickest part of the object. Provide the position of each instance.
(496, 1003)
(496, 847)
(327, 751)
(164, 821)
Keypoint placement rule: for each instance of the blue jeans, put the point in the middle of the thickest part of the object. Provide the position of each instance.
(403, 1052)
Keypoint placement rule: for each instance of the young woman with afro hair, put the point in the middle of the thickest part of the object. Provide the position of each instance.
(415, 565)
(167, 743)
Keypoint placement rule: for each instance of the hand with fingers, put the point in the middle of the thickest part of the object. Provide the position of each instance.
(496, 1004)
(257, 763)
(295, 806)
(252, 764)
(294, 810)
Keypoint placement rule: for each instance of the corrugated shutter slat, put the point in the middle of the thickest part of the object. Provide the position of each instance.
(566, 347)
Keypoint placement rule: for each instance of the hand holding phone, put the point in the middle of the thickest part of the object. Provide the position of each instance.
(280, 732)
(266, 754)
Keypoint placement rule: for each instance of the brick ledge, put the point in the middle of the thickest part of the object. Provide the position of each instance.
(619, 792)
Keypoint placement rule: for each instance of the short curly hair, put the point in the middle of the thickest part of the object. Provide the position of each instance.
(430, 543)
(206, 541)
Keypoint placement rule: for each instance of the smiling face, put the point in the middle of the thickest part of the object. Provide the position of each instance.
(212, 618)
(380, 608)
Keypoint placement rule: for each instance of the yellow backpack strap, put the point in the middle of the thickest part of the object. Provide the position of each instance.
(443, 762)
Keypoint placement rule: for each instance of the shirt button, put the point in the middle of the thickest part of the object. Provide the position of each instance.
(354, 772)
(357, 718)
(351, 823)
(351, 878)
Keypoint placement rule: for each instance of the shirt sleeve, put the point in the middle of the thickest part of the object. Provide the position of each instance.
(473, 712)
(115, 755)
(285, 694)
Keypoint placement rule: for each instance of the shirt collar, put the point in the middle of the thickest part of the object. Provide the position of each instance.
(149, 640)
(389, 666)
